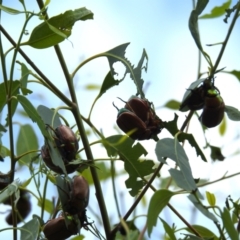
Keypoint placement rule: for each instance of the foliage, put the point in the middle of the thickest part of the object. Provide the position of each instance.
(49, 165)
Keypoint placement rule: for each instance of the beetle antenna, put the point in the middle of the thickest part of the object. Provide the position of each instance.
(121, 100)
(115, 106)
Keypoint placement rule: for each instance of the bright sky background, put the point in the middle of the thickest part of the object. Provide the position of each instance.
(161, 27)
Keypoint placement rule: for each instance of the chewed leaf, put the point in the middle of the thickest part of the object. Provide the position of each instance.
(193, 143)
(118, 54)
(56, 29)
(217, 11)
(108, 83)
(130, 154)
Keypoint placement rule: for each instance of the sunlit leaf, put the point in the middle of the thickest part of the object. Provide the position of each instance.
(172, 104)
(211, 198)
(9, 10)
(223, 126)
(56, 29)
(217, 11)
(158, 201)
(48, 205)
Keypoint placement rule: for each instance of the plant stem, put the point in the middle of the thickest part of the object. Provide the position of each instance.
(131, 209)
(36, 69)
(79, 122)
(213, 70)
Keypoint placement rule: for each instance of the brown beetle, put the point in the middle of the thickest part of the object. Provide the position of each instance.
(129, 121)
(56, 229)
(66, 142)
(78, 196)
(70, 168)
(139, 118)
(213, 111)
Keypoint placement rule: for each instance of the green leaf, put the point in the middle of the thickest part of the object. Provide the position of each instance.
(190, 138)
(217, 11)
(24, 77)
(204, 232)
(171, 148)
(130, 154)
(108, 83)
(26, 141)
(192, 23)
(171, 126)
(48, 205)
(211, 198)
(223, 126)
(232, 113)
(228, 224)
(57, 28)
(30, 230)
(3, 96)
(172, 104)
(201, 4)
(9, 190)
(216, 153)
(158, 201)
(4, 152)
(49, 116)
(235, 73)
(63, 186)
(168, 230)
(9, 10)
(118, 54)
(202, 209)
(33, 114)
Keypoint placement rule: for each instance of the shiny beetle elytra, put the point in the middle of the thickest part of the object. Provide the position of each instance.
(140, 107)
(78, 196)
(56, 229)
(139, 119)
(66, 142)
(129, 121)
(213, 111)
